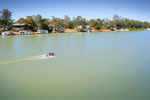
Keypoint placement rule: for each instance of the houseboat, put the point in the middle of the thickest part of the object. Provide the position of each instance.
(122, 30)
(148, 29)
(126, 30)
(25, 32)
(42, 31)
(7, 33)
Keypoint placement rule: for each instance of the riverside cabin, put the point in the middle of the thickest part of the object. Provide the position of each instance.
(18, 27)
(42, 31)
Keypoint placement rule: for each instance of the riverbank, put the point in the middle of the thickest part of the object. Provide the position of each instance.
(75, 30)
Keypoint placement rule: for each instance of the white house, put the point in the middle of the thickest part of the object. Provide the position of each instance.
(87, 26)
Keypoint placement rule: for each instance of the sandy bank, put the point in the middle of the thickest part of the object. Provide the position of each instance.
(70, 30)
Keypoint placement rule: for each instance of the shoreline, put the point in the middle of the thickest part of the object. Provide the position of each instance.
(75, 31)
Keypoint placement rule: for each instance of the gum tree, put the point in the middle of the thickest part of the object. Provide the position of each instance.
(116, 18)
(5, 17)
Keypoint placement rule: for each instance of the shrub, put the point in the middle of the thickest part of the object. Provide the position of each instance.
(135, 29)
(131, 29)
(1, 32)
(103, 27)
(81, 30)
(142, 28)
(97, 27)
(70, 27)
(90, 28)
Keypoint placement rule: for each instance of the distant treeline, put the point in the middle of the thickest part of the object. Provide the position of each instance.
(38, 22)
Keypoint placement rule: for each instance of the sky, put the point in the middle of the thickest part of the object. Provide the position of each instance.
(89, 9)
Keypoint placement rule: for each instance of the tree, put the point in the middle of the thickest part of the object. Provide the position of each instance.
(22, 20)
(92, 23)
(54, 22)
(106, 22)
(38, 20)
(99, 23)
(29, 17)
(111, 24)
(116, 18)
(32, 23)
(84, 21)
(5, 17)
(1, 22)
(79, 20)
(122, 23)
(45, 24)
(66, 21)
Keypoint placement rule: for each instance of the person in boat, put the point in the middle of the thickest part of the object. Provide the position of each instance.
(52, 54)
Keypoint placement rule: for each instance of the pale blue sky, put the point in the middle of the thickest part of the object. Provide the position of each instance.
(89, 9)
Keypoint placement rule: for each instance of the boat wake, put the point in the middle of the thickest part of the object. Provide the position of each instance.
(39, 57)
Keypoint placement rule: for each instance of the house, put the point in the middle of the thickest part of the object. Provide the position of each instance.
(82, 27)
(42, 31)
(18, 27)
(86, 26)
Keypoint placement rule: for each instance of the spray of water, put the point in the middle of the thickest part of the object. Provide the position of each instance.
(39, 57)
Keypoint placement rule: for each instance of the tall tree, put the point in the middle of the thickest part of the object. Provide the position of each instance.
(6, 18)
(116, 18)
(38, 20)
(1, 22)
(92, 23)
(66, 21)
(54, 22)
(22, 20)
(74, 22)
(79, 20)
(99, 22)
(32, 23)
(45, 24)
(28, 17)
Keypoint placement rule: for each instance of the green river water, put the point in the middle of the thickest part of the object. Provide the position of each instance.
(86, 66)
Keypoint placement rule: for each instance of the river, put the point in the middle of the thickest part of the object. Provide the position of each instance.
(86, 66)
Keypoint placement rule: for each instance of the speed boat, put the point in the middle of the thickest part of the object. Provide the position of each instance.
(49, 55)
(46, 56)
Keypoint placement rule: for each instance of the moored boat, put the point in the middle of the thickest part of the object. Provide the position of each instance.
(7, 33)
(42, 31)
(126, 30)
(148, 29)
(25, 32)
